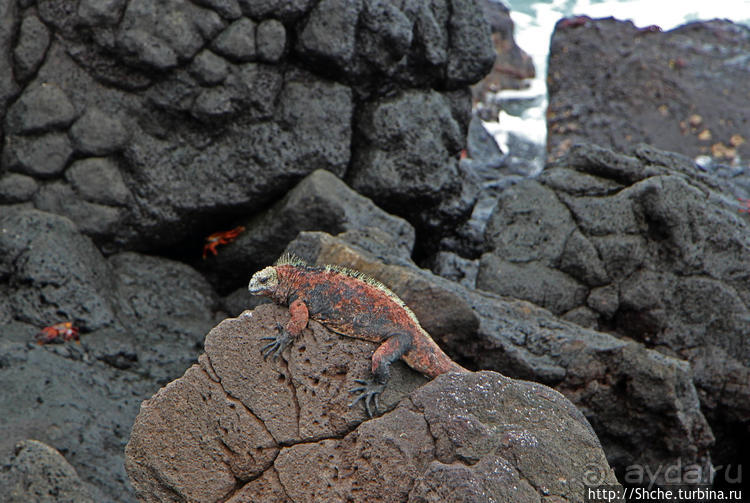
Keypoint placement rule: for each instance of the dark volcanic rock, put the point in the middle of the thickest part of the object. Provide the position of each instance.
(65, 398)
(97, 133)
(237, 41)
(660, 250)
(40, 156)
(38, 472)
(601, 374)
(53, 271)
(15, 188)
(209, 436)
(142, 321)
(199, 136)
(33, 41)
(408, 162)
(270, 40)
(98, 180)
(9, 21)
(41, 108)
(208, 68)
(682, 90)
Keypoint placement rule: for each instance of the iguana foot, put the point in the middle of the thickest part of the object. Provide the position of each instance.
(279, 344)
(368, 393)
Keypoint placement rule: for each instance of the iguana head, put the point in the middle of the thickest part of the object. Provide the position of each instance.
(264, 282)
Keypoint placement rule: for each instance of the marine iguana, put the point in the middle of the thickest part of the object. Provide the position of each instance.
(352, 304)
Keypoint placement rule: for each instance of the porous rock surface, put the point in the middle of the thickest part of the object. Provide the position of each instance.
(238, 428)
(37, 472)
(646, 247)
(643, 405)
(682, 90)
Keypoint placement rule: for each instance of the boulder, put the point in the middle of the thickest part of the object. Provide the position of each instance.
(319, 202)
(38, 472)
(657, 247)
(238, 428)
(237, 41)
(52, 271)
(98, 180)
(649, 86)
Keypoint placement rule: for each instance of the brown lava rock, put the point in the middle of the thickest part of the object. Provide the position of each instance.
(236, 428)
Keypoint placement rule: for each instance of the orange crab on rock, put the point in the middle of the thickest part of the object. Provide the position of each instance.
(221, 238)
(745, 205)
(59, 332)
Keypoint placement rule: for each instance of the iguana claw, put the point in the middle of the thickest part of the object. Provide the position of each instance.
(279, 344)
(369, 394)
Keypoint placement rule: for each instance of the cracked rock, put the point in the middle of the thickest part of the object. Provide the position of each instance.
(238, 428)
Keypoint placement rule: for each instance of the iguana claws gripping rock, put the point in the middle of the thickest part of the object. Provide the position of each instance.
(278, 344)
(352, 304)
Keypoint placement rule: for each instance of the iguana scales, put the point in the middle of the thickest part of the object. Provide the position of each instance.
(352, 304)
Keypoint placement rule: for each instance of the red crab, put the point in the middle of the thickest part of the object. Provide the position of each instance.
(573, 21)
(220, 238)
(745, 205)
(59, 332)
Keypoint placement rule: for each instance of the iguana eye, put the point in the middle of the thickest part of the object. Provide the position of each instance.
(263, 280)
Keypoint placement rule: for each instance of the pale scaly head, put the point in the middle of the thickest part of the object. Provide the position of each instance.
(264, 282)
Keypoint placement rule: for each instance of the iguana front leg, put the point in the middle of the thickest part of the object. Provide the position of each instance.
(391, 350)
(298, 317)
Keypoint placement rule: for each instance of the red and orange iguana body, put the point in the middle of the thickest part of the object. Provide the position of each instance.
(352, 304)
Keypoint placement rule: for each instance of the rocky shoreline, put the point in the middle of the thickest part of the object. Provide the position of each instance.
(618, 280)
